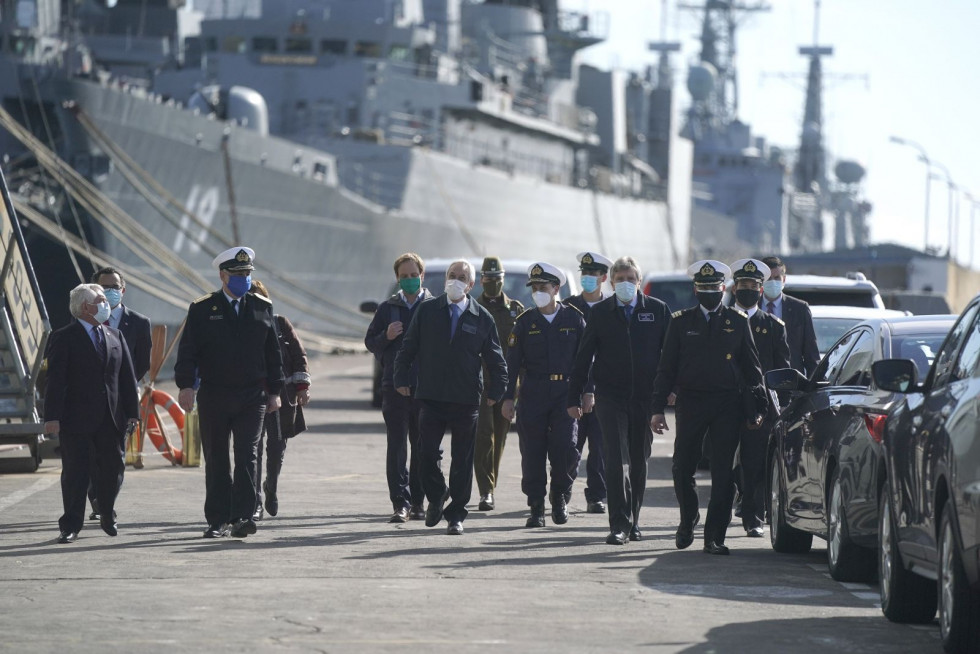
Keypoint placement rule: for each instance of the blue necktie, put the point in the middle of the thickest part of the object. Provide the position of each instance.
(99, 342)
(454, 320)
(628, 310)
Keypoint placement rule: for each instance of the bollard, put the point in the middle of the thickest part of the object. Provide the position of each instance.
(192, 440)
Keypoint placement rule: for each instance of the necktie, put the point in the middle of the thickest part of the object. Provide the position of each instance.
(628, 310)
(770, 307)
(454, 320)
(99, 342)
(234, 306)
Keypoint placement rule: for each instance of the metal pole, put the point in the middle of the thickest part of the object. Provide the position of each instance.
(925, 233)
(973, 229)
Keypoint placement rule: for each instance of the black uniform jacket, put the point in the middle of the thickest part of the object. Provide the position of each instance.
(721, 359)
(450, 371)
(626, 355)
(802, 340)
(136, 328)
(769, 335)
(543, 352)
(582, 305)
(80, 385)
(376, 340)
(230, 350)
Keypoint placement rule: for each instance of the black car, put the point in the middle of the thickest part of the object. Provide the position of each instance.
(929, 526)
(825, 457)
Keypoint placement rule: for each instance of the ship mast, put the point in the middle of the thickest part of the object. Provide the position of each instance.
(809, 173)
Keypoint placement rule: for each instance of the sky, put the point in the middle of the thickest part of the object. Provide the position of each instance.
(919, 58)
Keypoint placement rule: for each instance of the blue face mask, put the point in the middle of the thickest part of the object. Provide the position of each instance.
(114, 296)
(589, 283)
(773, 288)
(625, 291)
(239, 285)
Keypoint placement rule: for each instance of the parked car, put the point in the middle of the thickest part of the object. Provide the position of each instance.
(853, 290)
(929, 515)
(825, 458)
(830, 321)
(515, 281)
(676, 289)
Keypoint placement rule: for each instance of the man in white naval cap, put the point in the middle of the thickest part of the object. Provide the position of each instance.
(229, 343)
(710, 360)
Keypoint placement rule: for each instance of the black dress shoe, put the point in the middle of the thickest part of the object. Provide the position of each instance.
(109, 526)
(67, 537)
(216, 531)
(537, 514)
(259, 513)
(243, 527)
(754, 532)
(94, 515)
(617, 538)
(559, 509)
(486, 502)
(596, 507)
(711, 547)
(685, 533)
(455, 528)
(737, 506)
(635, 533)
(433, 514)
(400, 515)
(416, 512)
(271, 499)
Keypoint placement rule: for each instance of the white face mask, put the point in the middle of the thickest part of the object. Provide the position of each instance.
(625, 291)
(541, 298)
(773, 288)
(455, 289)
(102, 314)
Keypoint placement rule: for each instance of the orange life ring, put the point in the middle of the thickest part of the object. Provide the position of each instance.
(155, 428)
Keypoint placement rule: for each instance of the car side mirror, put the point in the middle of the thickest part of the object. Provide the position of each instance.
(369, 306)
(785, 379)
(895, 375)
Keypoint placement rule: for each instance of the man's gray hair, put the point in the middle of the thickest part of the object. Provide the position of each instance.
(80, 295)
(470, 270)
(626, 263)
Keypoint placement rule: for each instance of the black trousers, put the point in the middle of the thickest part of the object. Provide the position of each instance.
(595, 465)
(546, 433)
(627, 440)
(752, 471)
(460, 419)
(82, 452)
(401, 415)
(718, 415)
(227, 415)
(275, 453)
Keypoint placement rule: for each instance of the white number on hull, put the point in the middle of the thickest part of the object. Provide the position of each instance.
(204, 206)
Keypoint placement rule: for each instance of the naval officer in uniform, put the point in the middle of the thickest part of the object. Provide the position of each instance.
(594, 268)
(542, 351)
(230, 343)
(710, 360)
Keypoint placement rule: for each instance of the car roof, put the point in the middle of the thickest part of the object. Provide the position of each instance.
(829, 282)
(858, 313)
(917, 324)
(676, 276)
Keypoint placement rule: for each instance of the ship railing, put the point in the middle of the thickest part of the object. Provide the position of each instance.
(447, 71)
(379, 188)
(216, 9)
(486, 153)
(411, 129)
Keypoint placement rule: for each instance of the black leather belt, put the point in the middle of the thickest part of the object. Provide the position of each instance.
(542, 376)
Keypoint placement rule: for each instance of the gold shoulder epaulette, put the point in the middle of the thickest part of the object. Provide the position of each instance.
(739, 312)
(202, 298)
(574, 308)
(677, 314)
(522, 313)
(516, 303)
(262, 297)
(779, 320)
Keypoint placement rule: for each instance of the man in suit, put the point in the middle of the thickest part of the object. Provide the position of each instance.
(230, 343)
(452, 337)
(709, 357)
(401, 413)
(136, 328)
(89, 403)
(621, 348)
(795, 314)
(769, 335)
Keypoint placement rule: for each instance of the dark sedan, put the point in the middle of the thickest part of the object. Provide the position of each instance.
(825, 457)
(930, 505)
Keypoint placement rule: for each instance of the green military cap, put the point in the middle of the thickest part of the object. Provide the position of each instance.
(492, 267)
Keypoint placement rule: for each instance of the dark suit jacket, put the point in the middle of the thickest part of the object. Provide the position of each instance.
(80, 386)
(800, 337)
(451, 370)
(136, 328)
(769, 334)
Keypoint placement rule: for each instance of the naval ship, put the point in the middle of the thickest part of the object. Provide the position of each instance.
(330, 135)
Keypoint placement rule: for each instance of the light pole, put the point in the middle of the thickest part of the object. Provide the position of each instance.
(924, 156)
(951, 224)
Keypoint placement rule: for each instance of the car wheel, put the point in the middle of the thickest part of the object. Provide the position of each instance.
(783, 538)
(847, 560)
(905, 596)
(959, 606)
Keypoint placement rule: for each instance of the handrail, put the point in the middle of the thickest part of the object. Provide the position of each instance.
(22, 245)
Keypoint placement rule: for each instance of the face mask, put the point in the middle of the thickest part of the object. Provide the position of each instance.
(239, 285)
(747, 297)
(709, 299)
(541, 298)
(589, 283)
(102, 313)
(773, 288)
(455, 289)
(492, 287)
(410, 285)
(625, 291)
(114, 296)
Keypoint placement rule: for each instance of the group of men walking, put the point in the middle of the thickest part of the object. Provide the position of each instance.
(593, 369)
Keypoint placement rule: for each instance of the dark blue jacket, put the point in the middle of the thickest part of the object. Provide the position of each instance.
(392, 310)
(543, 352)
(451, 370)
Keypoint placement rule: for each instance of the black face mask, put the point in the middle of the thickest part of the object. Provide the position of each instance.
(492, 288)
(709, 299)
(748, 297)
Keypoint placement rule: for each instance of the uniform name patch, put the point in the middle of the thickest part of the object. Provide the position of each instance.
(216, 317)
(644, 317)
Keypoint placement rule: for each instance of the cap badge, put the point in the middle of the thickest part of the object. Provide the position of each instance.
(537, 270)
(587, 258)
(749, 267)
(242, 256)
(707, 270)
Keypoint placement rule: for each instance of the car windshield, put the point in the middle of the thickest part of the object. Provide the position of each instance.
(920, 348)
(828, 330)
